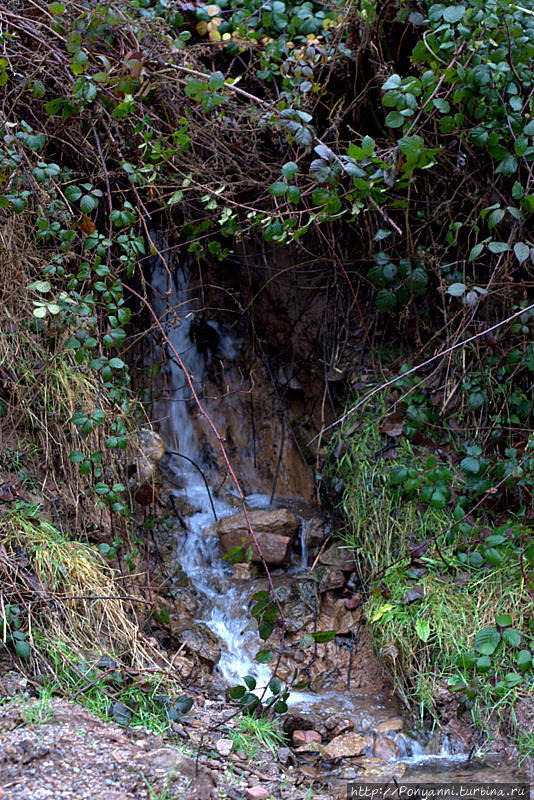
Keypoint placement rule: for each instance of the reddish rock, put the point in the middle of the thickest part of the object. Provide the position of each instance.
(256, 793)
(390, 725)
(343, 726)
(274, 531)
(305, 737)
(345, 746)
(353, 602)
(385, 748)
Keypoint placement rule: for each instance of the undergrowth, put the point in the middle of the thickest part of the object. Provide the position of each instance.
(447, 562)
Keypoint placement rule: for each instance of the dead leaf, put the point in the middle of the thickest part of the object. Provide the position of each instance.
(393, 424)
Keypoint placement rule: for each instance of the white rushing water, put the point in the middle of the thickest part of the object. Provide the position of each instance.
(225, 606)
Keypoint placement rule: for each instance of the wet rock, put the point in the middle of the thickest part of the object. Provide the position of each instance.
(338, 556)
(345, 746)
(203, 643)
(311, 747)
(390, 725)
(274, 530)
(385, 748)
(299, 722)
(305, 737)
(330, 578)
(314, 531)
(150, 451)
(243, 572)
(343, 726)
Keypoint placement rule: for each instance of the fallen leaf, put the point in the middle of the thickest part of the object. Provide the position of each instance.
(393, 424)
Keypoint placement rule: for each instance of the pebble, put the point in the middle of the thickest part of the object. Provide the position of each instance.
(224, 746)
(256, 793)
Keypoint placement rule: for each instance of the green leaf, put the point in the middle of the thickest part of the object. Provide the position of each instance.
(57, 8)
(323, 636)
(498, 247)
(293, 194)
(40, 286)
(368, 145)
(456, 289)
(278, 189)
(453, 14)
(275, 686)
(483, 664)
(487, 640)
(528, 130)
(422, 629)
(73, 193)
(442, 105)
(395, 120)
(250, 682)
(183, 704)
(88, 204)
(470, 465)
(289, 170)
(22, 648)
(392, 82)
(236, 692)
(513, 679)
(76, 457)
(116, 363)
(522, 251)
(511, 637)
(264, 656)
(503, 620)
(216, 80)
(524, 660)
(476, 251)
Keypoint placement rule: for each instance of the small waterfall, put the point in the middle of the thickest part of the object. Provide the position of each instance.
(225, 607)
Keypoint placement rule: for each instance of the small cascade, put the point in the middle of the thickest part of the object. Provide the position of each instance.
(225, 606)
(304, 525)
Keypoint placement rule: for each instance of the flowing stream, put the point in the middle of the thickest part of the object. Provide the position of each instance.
(224, 602)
